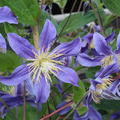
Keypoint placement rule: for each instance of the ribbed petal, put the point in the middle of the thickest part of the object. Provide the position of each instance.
(91, 114)
(118, 44)
(101, 45)
(110, 37)
(6, 15)
(20, 73)
(64, 111)
(19, 90)
(108, 70)
(68, 48)
(9, 103)
(21, 46)
(42, 90)
(85, 60)
(67, 75)
(48, 35)
(29, 86)
(2, 44)
(87, 39)
(115, 116)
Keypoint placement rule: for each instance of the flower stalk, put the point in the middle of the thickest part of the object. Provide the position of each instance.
(56, 111)
(35, 36)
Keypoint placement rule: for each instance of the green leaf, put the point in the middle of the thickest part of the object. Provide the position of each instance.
(75, 22)
(109, 105)
(78, 92)
(113, 6)
(90, 73)
(27, 11)
(43, 16)
(82, 110)
(9, 61)
(10, 28)
(61, 3)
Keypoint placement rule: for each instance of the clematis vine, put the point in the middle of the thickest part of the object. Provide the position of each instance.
(40, 64)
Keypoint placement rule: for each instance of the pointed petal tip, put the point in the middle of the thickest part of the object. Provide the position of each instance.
(6, 15)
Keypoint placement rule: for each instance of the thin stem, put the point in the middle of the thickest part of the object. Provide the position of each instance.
(56, 111)
(80, 5)
(35, 36)
(48, 108)
(70, 113)
(66, 89)
(24, 98)
(16, 113)
(97, 14)
(67, 18)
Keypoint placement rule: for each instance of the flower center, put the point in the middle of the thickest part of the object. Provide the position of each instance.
(44, 63)
(108, 60)
(92, 44)
(96, 94)
(118, 57)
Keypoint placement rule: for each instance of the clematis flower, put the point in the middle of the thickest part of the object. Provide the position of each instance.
(6, 15)
(40, 64)
(91, 114)
(7, 102)
(112, 92)
(2, 44)
(104, 83)
(10, 101)
(88, 41)
(106, 55)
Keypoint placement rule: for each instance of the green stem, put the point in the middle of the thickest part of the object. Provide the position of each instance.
(97, 14)
(35, 36)
(71, 112)
(67, 19)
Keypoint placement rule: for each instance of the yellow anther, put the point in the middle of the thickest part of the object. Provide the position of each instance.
(44, 63)
(92, 44)
(96, 94)
(108, 60)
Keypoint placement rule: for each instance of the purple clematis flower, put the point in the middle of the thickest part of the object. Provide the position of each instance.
(112, 92)
(104, 84)
(106, 55)
(9, 101)
(91, 113)
(40, 64)
(2, 44)
(6, 15)
(88, 41)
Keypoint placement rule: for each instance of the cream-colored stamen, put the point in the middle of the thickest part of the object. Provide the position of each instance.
(108, 60)
(43, 63)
